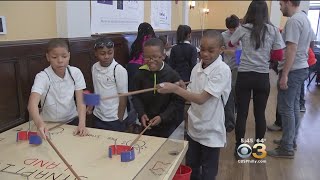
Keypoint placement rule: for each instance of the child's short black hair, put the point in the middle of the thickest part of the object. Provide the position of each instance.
(232, 21)
(182, 33)
(164, 39)
(214, 34)
(155, 42)
(103, 42)
(57, 42)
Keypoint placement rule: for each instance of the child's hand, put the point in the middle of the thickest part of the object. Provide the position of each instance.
(144, 120)
(167, 88)
(43, 131)
(181, 84)
(89, 109)
(81, 130)
(155, 121)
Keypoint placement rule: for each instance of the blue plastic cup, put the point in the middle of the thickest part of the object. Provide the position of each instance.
(238, 55)
(35, 139)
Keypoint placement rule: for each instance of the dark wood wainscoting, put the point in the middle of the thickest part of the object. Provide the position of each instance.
(20, 61)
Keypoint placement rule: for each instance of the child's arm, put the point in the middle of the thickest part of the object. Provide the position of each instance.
(217, 83)
(40, 86)
(33, 109)
(236, 37)
(80, 84)
(189, 96)
(193, 97)
(81, 108)
(122, 107)
(121, 76)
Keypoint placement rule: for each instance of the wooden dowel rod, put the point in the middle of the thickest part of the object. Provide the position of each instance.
(56, 126)
(137, 138)
(63, 159)
(129, 93)
(133, 92)
(62, 123)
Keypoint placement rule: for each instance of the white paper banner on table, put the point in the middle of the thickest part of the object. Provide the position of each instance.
(116, 16)
(161, 15)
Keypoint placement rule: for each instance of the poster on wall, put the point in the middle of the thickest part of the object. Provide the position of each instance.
(3, 28)
(116, 16)
(161, 15)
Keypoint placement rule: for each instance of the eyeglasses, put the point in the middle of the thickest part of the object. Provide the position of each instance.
(151, 58)
(103, 44)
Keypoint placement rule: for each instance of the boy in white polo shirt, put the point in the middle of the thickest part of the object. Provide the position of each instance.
(55, 88)
(210, 82)
(109, 79)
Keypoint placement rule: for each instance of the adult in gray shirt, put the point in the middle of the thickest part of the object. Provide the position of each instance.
(292, 73)
(258, 37)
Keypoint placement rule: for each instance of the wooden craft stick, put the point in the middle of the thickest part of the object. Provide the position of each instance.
(56, 126)
(63, 159)
(60, 124)
(134, 92)
(137, 138)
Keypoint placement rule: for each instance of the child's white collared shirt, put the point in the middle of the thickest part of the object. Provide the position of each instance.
(206, 121)
(105, 85)
(59, 105)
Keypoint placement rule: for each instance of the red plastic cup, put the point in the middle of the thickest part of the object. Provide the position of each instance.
(183, 173)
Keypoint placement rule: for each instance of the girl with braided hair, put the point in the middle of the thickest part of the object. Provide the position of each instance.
(145, 32)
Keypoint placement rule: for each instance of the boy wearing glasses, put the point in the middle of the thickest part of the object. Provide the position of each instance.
(152, 107)
(109, 78)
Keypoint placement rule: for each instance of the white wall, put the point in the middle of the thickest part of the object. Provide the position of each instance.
(73, 19)
(185, 12)
(275, 13)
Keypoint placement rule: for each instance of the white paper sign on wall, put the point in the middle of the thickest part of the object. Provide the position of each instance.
(3, 27)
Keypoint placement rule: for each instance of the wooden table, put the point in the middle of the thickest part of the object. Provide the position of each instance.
(156, 158)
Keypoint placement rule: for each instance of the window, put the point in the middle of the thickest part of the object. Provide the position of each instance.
(314, 17)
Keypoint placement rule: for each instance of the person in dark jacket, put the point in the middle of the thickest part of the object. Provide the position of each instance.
(183, 56)
(152, 107)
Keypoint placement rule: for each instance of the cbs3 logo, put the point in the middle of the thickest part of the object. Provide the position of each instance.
(258, 151)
